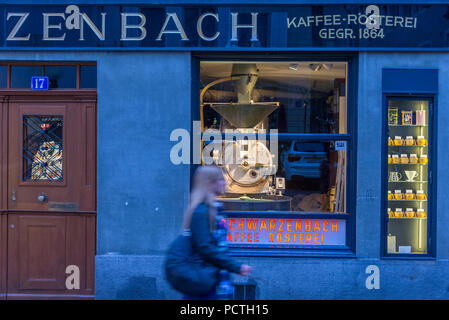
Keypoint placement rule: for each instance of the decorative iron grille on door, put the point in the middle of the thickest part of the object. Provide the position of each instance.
(42, 148)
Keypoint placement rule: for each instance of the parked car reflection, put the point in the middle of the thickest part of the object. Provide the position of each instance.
(302, 160)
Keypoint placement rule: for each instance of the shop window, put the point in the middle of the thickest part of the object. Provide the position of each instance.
(61, 77)
(300, 174)
(21, 75)
(409, 162)
(88, 77)
(280, 134)
(42, 148)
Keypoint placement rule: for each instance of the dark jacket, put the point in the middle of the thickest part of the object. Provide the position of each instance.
(204, 244)
(193, 261)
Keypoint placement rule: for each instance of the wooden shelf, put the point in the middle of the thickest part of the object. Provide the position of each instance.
(414, 218)
(408, 200)
(407, 125)
(407, 181)
(409, 164)
(402, 146)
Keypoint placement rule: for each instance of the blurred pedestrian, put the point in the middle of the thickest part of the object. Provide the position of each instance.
(206, 229)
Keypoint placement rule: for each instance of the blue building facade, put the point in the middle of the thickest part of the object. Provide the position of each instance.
(146, 90)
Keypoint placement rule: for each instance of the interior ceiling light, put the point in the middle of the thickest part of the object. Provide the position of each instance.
(315, 66)
(319, 66)
(293, 66)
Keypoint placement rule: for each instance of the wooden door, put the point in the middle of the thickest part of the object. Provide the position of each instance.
(51, 196)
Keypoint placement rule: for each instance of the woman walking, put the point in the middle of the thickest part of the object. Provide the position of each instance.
(206, 229)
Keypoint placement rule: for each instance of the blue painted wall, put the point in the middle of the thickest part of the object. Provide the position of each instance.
(141, 195)
(142, 97)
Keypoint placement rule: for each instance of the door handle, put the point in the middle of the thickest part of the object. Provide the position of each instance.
(42, 197)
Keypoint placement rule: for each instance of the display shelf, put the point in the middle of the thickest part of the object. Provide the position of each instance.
(407, 200)
(407, 125)
(407, 181)
(408, 164)
(402, 146)
(405, 218)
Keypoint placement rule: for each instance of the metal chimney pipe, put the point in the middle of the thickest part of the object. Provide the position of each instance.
(244, 85)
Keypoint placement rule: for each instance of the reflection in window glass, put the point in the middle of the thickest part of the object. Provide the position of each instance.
(61, 77)
(315, 175)
(88, 77)
(3, 76)
(306, 97)
(21, 75)
(42, 148)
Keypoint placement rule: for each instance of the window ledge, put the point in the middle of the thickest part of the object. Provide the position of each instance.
(291, 252)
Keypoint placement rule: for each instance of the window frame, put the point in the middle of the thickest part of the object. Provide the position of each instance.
(347, 251)
(43, 64)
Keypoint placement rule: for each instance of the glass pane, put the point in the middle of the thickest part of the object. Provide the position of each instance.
(42, 148)
(408, 127)
(88, 77)
(21, 75)
(292, 97)
(61, 77)
(3, 76)
(264, 175)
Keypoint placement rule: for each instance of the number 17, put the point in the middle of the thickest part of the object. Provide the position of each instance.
(39, 83)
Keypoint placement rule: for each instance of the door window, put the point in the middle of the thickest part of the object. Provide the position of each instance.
(42, 148)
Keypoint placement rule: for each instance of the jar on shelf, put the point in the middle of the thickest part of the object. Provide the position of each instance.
(409, 213)
(421, 141)
(413, 158)
(398, 195)
(398, 141)
(395, 159)
(409, 141)
(404, 159)
(423, 159)
(409, 195)
(420, 195)
(398, 213)
(421, 213)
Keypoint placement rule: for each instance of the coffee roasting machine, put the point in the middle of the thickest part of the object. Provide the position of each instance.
(248, 165)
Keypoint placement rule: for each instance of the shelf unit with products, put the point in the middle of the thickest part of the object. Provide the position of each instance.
(408, 174)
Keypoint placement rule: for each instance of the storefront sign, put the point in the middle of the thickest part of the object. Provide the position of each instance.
(287, 232)
(225, 27)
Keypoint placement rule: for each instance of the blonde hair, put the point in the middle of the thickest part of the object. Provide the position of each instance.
(203, 180)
